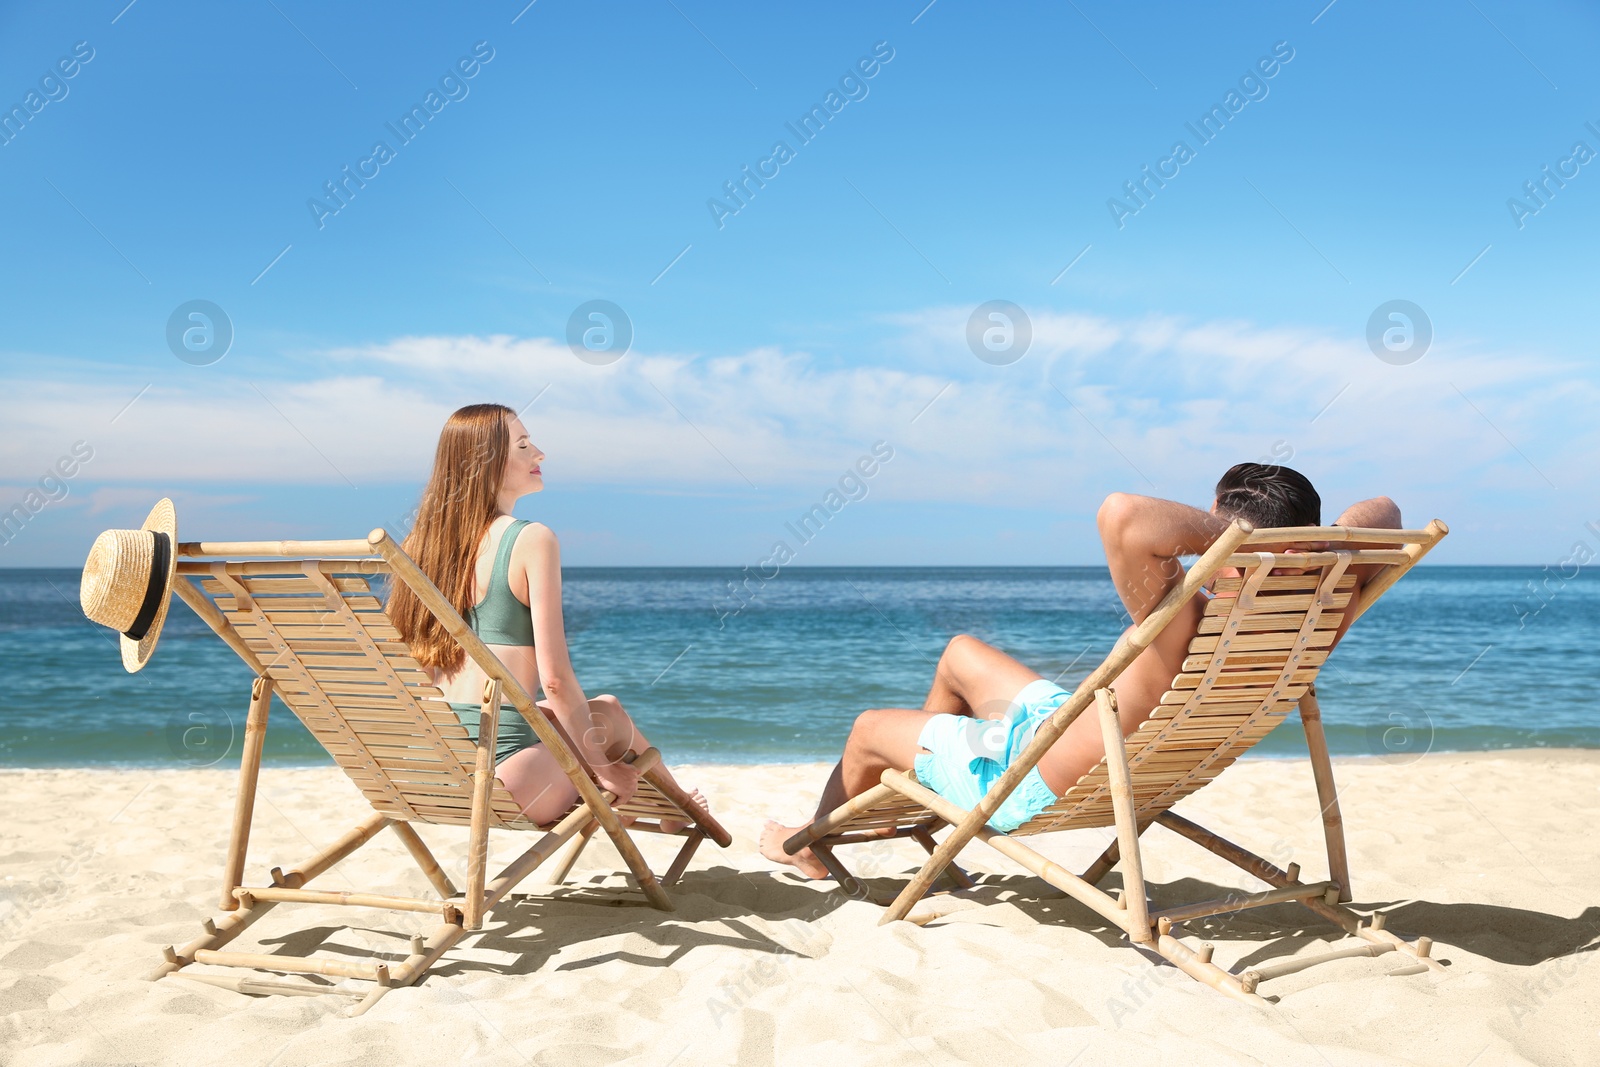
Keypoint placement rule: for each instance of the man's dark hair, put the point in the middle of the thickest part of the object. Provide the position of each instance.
(1267, 496)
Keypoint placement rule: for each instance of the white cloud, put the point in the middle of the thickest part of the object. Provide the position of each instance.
(1155, 398)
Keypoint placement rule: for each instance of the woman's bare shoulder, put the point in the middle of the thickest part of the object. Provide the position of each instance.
(534, 540)
(535, 553)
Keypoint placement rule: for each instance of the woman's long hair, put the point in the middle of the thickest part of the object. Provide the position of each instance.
(457, 507)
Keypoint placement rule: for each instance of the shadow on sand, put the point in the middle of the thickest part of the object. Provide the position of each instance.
(716, 908)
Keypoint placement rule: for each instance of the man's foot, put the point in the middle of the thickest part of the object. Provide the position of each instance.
(805, 861)
(672, 826)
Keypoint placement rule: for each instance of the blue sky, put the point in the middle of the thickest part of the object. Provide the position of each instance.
(1226, 319)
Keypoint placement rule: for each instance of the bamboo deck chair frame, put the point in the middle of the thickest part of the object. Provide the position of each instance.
(1247, 666)
(313, 630)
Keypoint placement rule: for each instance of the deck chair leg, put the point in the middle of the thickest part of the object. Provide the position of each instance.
(424, 856)
(1102, 866)
(960, 878)
(379, 989)
(482, 789)
(1201, 969)
(424, 954)
(643, 876)
(680, 863)
(255, 735)
(628, 849)
(1108, 859)
(1327, 794)
(841, 874)
(562, 864)
(1329, 909)
(219, 932)
(1133, 891)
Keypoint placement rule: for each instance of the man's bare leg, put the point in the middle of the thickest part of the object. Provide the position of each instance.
(972, 678)
(882, 739)
(976, 679)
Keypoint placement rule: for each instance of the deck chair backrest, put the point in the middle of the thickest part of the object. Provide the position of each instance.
(320, 631)
(1261, 641)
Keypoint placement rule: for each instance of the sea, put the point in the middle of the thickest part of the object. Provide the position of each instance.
(1452, 659)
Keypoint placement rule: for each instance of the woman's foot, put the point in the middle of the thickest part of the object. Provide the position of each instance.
(672, 826)
(805, 861)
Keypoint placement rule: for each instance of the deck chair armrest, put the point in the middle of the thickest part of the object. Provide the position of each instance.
(684, 803)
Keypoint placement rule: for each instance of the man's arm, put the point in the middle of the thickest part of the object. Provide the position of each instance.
(1144, 538)
(1379, 513)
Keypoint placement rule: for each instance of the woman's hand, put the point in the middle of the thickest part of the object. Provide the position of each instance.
(620, 779)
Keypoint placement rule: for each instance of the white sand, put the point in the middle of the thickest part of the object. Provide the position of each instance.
(1492, 855)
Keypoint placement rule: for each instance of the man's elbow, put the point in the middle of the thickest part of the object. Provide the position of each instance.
(1387, 513)
(1112, 518)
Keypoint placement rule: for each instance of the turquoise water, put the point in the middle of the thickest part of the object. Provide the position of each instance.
(1452, 659)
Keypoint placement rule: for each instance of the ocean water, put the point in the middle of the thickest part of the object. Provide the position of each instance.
(1453, 658)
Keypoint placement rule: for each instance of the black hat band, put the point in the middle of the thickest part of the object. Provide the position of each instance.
(153, 591)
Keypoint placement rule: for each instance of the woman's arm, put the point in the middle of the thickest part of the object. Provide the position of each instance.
(541, 555)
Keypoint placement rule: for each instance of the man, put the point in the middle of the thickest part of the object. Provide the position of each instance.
(984, 706)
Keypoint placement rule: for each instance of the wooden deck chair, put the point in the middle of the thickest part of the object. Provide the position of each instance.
(1255, 656)
(314, 631)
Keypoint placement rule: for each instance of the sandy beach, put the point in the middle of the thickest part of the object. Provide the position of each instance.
(1492, 855)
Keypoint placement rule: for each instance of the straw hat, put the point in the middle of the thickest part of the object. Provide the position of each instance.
(127, 582)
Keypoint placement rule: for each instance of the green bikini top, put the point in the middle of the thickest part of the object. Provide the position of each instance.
(500, 618)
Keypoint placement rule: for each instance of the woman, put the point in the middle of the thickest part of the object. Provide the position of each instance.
(504, 576)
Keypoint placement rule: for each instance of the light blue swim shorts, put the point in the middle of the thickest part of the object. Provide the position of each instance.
(966, 755)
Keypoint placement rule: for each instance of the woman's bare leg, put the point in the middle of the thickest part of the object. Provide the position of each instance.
(614, 730)
(542, 789)
(537, 783)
